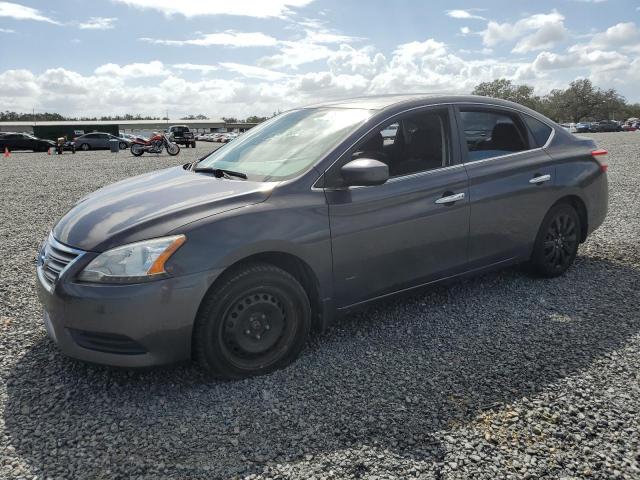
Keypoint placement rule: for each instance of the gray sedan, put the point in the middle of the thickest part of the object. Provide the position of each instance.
(233, 260)
(98, 140)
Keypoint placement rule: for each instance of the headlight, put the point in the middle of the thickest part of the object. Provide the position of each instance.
(132, 263)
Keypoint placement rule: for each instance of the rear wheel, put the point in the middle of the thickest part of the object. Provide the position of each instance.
(256, 322)
(122, 145)
(557, 242)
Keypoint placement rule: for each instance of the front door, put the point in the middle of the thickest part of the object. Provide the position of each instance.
(414, 228)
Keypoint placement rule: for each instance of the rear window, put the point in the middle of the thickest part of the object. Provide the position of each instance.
(493, 133)
(540, 131)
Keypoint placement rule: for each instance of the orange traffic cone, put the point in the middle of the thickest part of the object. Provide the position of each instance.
(7, 153)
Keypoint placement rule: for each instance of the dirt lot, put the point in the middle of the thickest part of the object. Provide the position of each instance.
(501, 376)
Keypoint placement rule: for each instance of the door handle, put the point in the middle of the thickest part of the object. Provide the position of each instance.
(540, 179)
(450, 198)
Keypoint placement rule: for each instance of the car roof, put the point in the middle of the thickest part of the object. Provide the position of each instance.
(381, 102)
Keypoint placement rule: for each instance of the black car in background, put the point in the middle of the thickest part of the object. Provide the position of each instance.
(608, 126)
(24, 141)
(182, 135)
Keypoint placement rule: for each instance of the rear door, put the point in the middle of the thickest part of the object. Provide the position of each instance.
(102, 140)
(510, 181)
(400, 234)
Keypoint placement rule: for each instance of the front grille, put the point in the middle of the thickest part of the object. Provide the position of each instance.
(54, 259)
(107, 342)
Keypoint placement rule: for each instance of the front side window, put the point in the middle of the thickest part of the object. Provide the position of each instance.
(287, 144)
(490, 133)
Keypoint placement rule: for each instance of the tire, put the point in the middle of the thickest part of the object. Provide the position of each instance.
(257, 321)
(173, 150)
(122, 146)
(136, 150)
(85, 147)
(557, 242)
(193, 145)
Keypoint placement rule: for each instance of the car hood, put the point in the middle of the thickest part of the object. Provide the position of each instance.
(152, 205)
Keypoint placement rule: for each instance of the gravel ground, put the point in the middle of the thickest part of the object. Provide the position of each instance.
(502, 376)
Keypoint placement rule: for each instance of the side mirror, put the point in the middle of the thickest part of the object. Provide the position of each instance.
(364, 172)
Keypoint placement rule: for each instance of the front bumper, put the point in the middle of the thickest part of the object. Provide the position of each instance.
(136, 325)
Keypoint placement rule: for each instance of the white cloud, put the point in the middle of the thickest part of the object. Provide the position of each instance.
(621, 34)
(545, 37)
(293, 54)
(333, 68)
(18, 83)
(465, 30)
(229, 38)
(133, 70)
(7, 30)
(464, 14)
(351, 61)
(98, 23)
(580, 57)
(194, 8)
(547, 28)
(195, 67)
(22, 12)
(253, 71)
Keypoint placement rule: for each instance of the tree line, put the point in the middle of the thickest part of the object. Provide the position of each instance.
(9, 116)
(580, 101)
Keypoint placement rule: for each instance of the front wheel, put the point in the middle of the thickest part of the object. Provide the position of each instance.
(137, 149)
(256, 322)
(85, 147)
(557, 242)
(173, 149)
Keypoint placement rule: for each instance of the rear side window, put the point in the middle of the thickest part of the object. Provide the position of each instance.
(540, 131)
(491, 133)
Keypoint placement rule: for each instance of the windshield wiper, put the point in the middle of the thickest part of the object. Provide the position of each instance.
(221, 172)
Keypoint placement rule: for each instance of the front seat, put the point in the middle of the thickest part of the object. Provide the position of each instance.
(372, 148)
(505, 136)
(424, 151)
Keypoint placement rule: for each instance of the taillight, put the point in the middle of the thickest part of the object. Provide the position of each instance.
(602, 157)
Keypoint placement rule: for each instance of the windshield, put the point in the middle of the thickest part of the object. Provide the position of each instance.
(287, 144)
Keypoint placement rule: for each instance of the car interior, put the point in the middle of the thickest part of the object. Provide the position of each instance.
(420, 143)
(492, 134)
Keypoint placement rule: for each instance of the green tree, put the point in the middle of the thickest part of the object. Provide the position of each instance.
(506, 90)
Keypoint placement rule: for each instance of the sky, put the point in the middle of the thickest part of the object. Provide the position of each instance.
(237, 58)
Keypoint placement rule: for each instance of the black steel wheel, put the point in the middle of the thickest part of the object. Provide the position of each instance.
(257, 321)
(557, 243)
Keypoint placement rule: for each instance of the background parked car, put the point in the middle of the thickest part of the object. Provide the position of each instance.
(608, 126)
(583, 127)
(99, 140)
(24, 141)
(182, 135)
(227, 137)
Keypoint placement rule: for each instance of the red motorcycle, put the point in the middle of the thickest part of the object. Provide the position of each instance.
(155, 144)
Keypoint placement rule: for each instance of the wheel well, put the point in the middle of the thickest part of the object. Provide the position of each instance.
(294, 266)
(577, 203)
